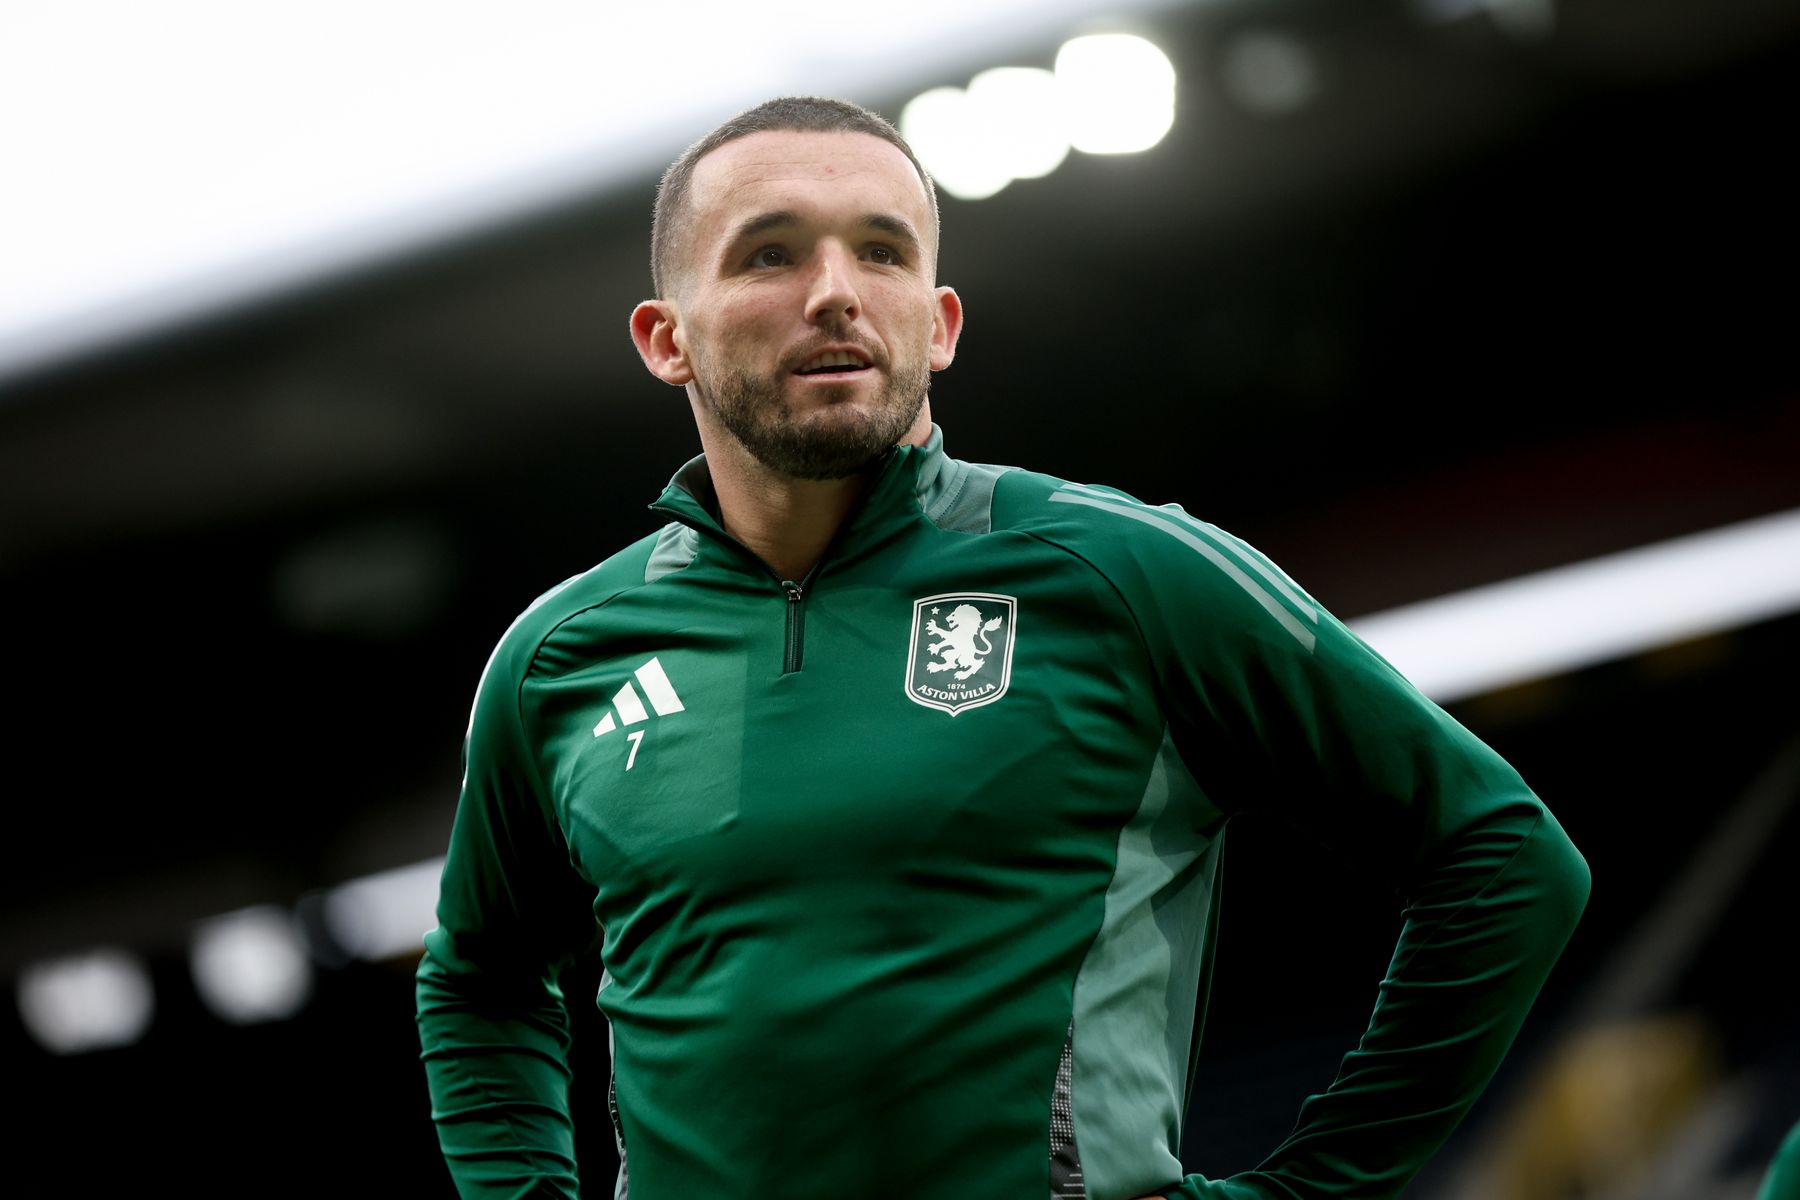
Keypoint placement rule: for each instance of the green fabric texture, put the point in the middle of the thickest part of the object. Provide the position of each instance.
(851, 913)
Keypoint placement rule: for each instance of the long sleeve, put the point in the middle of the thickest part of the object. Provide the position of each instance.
(512, 913)
(1277, 706)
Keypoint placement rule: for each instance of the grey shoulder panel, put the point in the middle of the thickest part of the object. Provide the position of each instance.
(960, 496)
(675, 548)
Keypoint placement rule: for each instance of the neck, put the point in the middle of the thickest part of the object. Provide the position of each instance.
(789, 523)
(786, 522)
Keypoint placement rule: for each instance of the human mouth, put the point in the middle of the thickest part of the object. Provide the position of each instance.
(834, 364)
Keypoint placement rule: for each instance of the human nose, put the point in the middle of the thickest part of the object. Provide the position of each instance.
(832, 293)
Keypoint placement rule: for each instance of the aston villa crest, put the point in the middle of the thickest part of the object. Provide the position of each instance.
(962, 649)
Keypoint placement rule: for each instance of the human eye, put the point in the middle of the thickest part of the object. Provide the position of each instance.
(885, 255)
(769, 256)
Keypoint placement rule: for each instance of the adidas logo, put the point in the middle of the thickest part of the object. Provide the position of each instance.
(657, 688)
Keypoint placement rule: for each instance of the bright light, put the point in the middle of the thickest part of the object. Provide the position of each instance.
(90, 1001)
(1574, 616)
(1016, 108)
(1109, 94)
(1269, 73)
(250, 966)
(1004, 127)
(1117, 93)
(385, 915)
(952, 144)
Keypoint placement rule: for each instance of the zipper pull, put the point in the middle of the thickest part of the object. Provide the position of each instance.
(794, 652)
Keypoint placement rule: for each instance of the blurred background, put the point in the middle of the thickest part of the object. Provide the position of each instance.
(1476, 315)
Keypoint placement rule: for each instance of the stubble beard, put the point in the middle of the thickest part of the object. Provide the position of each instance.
(836, 441)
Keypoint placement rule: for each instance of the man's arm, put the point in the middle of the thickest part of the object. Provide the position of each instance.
(512, 913)
(1275, 705)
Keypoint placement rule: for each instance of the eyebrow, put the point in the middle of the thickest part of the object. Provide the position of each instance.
(765, 222)
(895, 227)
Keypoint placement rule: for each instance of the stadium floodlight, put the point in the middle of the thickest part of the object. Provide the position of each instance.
(952, 143)
(1589, 612)
(1116, 92)
(91, 1001)
(1017, 111)
(385, 915)
(1110, 94)
(250, 966)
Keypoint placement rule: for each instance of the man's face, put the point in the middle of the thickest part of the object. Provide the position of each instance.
(804, 307)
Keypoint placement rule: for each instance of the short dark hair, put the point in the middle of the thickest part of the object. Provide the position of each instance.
(804, 114)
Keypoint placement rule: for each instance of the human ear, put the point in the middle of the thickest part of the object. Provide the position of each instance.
(946, 327)
(653, 332)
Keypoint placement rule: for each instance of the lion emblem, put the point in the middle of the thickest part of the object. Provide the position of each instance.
(956, 646)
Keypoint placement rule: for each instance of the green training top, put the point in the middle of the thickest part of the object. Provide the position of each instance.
(906, 874)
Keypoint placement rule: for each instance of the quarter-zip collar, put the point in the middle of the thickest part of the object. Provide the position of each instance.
(885, 508)
(889, 504)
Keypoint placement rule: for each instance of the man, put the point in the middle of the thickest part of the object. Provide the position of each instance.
(896, 784)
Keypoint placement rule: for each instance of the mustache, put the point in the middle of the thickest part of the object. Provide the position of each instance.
(834, 337)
